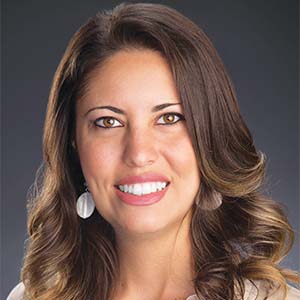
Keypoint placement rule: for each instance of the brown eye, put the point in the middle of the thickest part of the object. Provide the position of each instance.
(106, 122)
(171, 118)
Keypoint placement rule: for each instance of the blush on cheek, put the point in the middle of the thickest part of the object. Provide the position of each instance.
(184, 150)
(98, 159)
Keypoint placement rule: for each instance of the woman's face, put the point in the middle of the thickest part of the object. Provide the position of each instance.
(136, 142)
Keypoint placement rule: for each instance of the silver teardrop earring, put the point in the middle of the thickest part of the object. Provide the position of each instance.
(85, 205)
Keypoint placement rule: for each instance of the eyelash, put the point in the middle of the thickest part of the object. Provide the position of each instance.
(180, 116)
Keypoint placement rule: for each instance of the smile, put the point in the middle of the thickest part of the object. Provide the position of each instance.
(143, 188)
(133, 194)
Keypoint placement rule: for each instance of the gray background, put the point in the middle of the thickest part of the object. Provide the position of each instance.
(257, 40)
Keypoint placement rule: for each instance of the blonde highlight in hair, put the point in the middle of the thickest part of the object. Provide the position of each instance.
(244, 237)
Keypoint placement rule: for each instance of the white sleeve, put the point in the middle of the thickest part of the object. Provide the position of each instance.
(17, 292)
(292, 293)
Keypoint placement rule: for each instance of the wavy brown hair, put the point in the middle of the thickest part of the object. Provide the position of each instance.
(244, 238)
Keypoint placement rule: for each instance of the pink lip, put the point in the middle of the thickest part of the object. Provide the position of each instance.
(148, 177)
(141, 200)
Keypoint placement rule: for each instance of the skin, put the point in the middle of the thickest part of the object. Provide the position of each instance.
(153, 241)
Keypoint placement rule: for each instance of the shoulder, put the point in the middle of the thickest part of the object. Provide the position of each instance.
(261, 291)
(251, 292)
(17, 292)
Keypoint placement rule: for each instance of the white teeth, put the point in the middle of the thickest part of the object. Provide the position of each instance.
(146, 188)
(143, 188)
(153, 186)
(130, 189)
(137, 189)
(158, 186)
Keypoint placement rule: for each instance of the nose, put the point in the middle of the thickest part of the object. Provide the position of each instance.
(140, 148)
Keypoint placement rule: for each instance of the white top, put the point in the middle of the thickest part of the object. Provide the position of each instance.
(250, 293)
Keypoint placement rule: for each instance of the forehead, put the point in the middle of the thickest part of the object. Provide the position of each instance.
(131, 76)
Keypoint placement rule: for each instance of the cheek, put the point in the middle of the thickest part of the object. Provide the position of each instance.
(182, 152)
(184, 163)
(97, 158)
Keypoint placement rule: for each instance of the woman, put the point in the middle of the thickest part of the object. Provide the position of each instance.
(151, 183)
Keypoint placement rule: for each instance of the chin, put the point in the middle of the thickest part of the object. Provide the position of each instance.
(143, 224)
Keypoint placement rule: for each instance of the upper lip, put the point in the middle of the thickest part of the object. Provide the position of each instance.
(147, 177)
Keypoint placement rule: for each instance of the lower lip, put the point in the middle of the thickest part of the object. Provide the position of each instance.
(141, 200)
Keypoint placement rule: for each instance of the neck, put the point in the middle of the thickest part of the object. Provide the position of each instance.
(156, 265)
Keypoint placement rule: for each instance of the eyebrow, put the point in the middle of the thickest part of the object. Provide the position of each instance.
(122, 112)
